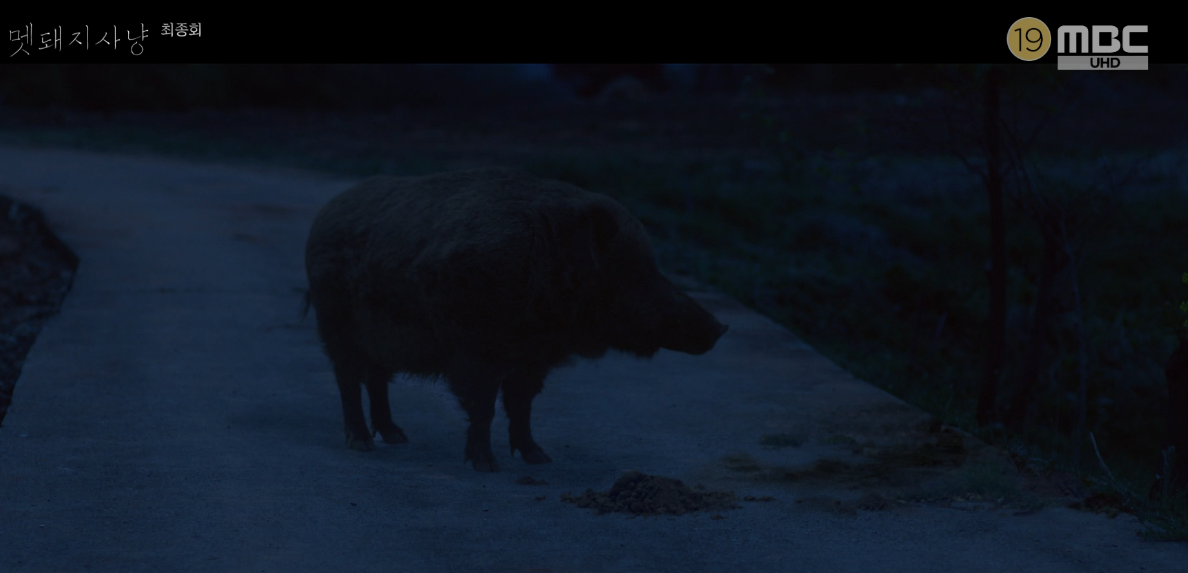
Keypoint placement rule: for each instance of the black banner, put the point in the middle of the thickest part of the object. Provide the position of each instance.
(957, 36)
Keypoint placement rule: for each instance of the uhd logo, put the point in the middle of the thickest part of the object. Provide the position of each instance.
(1089, 40)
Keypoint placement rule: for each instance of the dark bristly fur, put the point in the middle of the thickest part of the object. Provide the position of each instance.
(489, 278)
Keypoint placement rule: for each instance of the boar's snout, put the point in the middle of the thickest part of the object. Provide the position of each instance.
(692, 329)
(701, 341)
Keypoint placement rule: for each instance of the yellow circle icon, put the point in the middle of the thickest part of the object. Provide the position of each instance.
(1029, 39)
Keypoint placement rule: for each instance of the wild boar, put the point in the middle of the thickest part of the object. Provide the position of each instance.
(488, 278)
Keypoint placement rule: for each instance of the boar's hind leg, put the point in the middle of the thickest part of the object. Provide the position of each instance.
(381, 412)
(477, 390)
(350, 369)
(350, 375)
(518, 391)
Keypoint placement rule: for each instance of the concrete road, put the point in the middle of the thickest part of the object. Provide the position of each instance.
(176, 417)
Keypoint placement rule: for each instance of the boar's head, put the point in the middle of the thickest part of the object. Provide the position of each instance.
(622, 300)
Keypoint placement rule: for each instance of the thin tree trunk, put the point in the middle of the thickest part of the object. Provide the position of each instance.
(1173, 471)
(1041, 318)
(1082, 358)
(997, 276)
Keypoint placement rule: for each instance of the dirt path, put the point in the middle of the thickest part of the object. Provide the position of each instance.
(175, 416)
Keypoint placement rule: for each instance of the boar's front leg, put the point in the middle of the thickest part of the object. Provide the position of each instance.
(477, 388)
(518, 391)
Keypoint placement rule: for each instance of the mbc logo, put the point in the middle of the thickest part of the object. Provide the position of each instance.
(1080, 47)
(1074, 36)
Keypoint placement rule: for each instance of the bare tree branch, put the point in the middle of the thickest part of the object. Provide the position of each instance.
(1099, 459)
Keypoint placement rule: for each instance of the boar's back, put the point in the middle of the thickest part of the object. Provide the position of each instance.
(490, 261)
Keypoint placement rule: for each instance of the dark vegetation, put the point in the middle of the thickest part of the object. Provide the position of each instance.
(853, 204)
(36, 271)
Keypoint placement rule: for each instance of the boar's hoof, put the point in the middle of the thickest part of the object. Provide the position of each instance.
(532, 453)
(483, 461)
(392, 434)
(491, 465)
(362, 443)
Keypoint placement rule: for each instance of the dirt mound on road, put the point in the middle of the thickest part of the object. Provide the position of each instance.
(638, 493)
